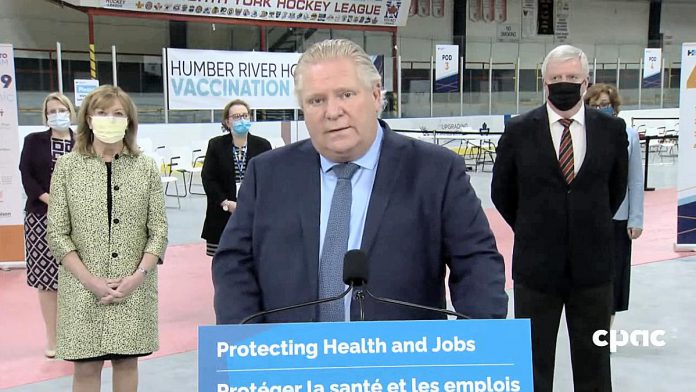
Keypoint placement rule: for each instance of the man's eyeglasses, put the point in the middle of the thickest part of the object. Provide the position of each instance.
(240, 116)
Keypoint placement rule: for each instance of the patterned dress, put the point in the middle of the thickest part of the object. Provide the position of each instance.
(78, 220)
(42, 267)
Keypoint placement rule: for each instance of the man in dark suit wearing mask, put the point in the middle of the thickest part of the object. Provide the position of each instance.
(559, 177)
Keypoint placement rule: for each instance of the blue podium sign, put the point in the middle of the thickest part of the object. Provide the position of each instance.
(379, 356)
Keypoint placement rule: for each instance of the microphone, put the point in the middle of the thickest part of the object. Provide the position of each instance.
(355, 272)
(351, 275)
(355, 269)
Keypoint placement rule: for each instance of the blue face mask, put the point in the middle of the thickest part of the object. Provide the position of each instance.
(606, 109)
(241, 127)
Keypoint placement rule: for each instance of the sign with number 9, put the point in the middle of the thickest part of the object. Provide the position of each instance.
(6, 80)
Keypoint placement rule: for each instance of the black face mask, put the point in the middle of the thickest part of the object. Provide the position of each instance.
(564, 95)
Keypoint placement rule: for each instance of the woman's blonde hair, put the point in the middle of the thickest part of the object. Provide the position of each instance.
(102, 98)
(65, 101)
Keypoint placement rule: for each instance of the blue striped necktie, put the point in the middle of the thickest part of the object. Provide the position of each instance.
(336, 244)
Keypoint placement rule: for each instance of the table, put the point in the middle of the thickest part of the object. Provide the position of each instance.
(477, 138)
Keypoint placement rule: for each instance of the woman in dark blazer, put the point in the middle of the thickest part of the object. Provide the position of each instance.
(39, 155)
(223, 170)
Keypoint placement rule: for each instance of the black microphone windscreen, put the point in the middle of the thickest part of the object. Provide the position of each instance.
(355, 267)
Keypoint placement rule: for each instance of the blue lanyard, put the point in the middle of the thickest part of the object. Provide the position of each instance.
(239, 159)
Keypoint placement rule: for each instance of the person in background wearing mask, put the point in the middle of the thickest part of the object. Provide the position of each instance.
(628, 221)
(559, 177)
(107, 226)
(223, 170)
(39, 155)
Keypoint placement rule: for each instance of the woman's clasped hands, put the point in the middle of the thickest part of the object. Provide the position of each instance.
(113, 291)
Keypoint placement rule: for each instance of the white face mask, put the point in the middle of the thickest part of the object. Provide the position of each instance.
(59, 121)
(109, 129)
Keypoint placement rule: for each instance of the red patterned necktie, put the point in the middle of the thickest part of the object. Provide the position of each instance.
(565, 152)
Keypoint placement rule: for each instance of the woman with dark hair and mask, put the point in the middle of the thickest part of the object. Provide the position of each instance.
(628, 221)
(223, 170)
(39, 155)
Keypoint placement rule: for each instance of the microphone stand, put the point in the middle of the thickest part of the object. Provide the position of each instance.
(412, 305)
(291, 307)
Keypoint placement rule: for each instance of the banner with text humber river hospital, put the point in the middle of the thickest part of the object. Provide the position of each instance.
(209, 79)
(686, 180)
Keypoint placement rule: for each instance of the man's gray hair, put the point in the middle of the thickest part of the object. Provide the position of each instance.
(565, 53)
(331, 49)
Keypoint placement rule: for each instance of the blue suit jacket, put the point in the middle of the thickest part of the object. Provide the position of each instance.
(423, 216)
(631, 208)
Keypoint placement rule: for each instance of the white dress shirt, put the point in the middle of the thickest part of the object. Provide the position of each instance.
(577, 134)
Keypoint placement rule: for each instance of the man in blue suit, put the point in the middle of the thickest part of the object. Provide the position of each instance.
(412, 210)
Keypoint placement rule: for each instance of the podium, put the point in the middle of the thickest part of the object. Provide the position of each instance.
(372, 356)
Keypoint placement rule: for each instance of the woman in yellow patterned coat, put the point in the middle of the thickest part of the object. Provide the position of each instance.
(107, 226)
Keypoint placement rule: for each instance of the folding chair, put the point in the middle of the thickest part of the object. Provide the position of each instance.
(166, 179)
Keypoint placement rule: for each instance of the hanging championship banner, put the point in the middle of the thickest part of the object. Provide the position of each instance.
(488, 12)
(353, 12)
(686, 182)
(11, 211)
(545, 16)
(413, 9)
(475, 10)
(529, 21)
(423, 7)
(438, 8)
(446, 68)
(652, 67)
(500, 7)
(209, 79)
(560, 32)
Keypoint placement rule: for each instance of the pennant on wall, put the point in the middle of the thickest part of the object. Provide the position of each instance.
(438, 8)
(413, 9)
(424, 8)
(475, 10)
(529, 22)
(500, 9)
